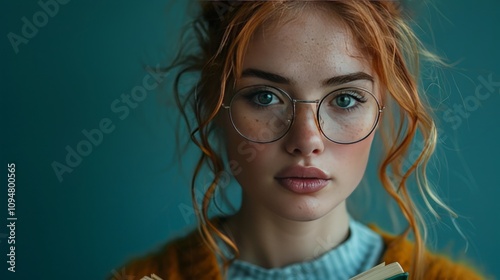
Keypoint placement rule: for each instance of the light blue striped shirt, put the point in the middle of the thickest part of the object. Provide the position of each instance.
(360, 252)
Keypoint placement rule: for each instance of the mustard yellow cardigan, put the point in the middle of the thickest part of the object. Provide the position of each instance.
(190, 258)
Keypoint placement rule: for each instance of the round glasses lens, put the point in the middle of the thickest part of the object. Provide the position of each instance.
(348, 115)
(261, 113)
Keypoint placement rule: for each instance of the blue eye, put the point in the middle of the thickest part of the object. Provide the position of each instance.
(262, 97)
(265, 98)
(348, 99)
(345, 101)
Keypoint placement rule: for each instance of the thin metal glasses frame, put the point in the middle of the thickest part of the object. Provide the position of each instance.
(318, 103)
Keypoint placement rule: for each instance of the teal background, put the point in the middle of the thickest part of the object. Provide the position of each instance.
(130, 194)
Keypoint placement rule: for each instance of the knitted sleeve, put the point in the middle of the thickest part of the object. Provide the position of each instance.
(185, 258)
(163, 263)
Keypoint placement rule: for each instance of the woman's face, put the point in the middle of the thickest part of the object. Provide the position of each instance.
(302, 176)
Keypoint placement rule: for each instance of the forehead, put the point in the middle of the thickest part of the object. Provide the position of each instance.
(312, 46)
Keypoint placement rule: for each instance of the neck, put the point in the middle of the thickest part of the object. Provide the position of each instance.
(267, 240)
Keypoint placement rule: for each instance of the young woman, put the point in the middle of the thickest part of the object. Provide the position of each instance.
(294, 93)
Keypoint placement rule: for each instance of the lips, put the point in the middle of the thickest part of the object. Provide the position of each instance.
(303, 180)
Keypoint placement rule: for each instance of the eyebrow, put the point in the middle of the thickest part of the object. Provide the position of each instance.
(337, 80)
(344, 79)
(251, 72)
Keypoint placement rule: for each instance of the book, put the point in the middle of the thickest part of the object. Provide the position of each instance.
(392, 271)
(153, 277)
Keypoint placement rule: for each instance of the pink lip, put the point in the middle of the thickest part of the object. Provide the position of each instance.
(303, 180)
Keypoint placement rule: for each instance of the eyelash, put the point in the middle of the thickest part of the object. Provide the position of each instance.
(358, 97)
(253, 94)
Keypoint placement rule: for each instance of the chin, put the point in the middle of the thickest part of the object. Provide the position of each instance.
(305, 210)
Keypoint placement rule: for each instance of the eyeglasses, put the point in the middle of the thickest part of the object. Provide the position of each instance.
(265, 114)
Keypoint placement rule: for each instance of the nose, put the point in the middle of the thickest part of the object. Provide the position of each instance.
(304, 137)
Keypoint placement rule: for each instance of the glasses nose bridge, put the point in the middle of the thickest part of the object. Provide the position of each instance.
(295, 101)
(315, 113)
(305, 101)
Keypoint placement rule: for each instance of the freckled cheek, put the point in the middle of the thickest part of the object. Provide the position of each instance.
(351, 160)
(247, 158)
